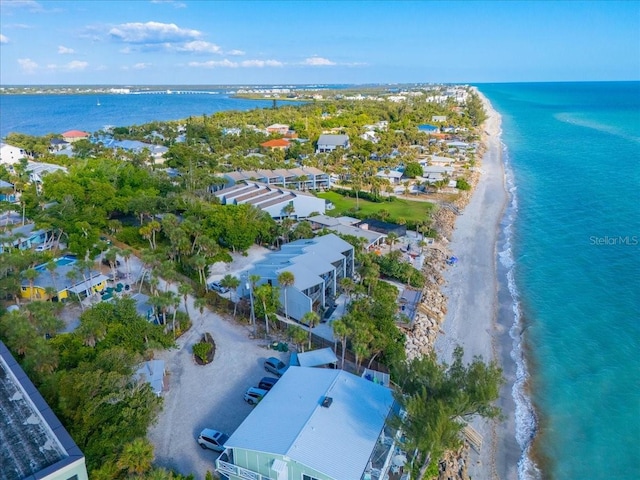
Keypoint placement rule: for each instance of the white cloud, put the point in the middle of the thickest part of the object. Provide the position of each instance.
(152, 32)
(141, 66)
(215, 63)
(76, 65)
(171, 2)
(261, 63)
(226, 63)
(62, 50)
(199, 46)
(318, 61)
(31, 5)
(3, 39)
(27, 65)
(235, 53)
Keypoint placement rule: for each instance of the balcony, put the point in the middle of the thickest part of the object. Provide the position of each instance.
(225, 467)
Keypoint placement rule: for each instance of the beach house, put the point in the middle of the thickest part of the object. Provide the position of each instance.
(329, 143)
(314, 424)
(75, 135)
(317, 264)
(276, 144)
(63, 281)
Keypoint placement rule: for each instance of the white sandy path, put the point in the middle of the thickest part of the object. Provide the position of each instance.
(471, 289)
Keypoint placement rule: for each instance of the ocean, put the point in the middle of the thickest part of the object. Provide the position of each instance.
(570, 256)
(44, 114)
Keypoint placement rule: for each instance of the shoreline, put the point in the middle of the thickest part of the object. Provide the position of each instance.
(473, 311)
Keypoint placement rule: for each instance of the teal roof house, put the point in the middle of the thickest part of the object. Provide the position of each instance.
(314, 424)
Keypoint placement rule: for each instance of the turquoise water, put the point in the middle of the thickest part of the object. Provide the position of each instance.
(573, 165)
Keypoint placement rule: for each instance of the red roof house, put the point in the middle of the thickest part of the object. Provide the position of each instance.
(74, 135)
(276, 144)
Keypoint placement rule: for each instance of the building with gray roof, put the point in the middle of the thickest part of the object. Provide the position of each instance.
(315, 423)
(34, 444)
(301, 178)
(271, 199)
(329, 143)
(317, 264)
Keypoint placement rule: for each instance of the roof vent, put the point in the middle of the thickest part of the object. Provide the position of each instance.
(327, 401)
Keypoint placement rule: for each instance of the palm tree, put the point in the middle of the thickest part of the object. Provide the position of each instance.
(232, 283)
(200, 303)
(111, 257)
(126, 254)
(92, 331)
(185, 290)
(297, 336)
(391, 239)
(52, 268)
(342, 331)
(30, 274)
(136, 457)
(174, 300)
(286, 279)
(72, 276)
(253, 281)
(311, 319)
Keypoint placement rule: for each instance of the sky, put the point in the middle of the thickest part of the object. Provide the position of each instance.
(182, 42)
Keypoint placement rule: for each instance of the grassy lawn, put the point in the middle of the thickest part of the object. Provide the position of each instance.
(399, 208)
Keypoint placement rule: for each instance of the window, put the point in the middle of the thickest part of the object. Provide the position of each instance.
(307, 477)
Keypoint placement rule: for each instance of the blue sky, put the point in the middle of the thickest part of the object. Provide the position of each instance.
(240, 42)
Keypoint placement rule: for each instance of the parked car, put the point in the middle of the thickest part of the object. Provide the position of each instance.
(106, 262)
(254, 395)
(44, 247)
(216, 287)
(212, 439)
(275, 366)
(267, 383)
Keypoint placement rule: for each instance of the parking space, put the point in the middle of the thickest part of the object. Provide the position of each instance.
(209, 396)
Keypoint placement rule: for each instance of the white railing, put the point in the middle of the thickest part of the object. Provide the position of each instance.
(231, 469)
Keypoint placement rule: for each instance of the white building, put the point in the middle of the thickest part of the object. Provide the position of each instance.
(271, 199)
(10, 154)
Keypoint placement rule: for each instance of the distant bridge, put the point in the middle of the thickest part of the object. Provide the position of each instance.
(176, 92)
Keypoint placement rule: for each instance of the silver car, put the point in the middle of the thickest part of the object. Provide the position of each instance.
(212, 439)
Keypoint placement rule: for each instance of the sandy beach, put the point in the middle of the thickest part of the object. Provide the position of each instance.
(474, 318)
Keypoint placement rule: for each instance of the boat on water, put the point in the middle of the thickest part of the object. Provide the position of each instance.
(98, 104)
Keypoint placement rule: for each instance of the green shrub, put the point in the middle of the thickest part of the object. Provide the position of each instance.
(201, 350)
(462, 184)
(130, 236)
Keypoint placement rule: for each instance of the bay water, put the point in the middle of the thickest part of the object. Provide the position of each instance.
(571, 259)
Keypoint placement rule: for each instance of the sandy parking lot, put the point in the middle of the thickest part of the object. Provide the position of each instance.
(206, 396)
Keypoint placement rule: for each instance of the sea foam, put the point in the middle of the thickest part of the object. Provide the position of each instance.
(525, 417)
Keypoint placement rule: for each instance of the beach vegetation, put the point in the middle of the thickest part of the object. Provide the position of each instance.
(462, 184)
(87, 376)
(439, 399)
